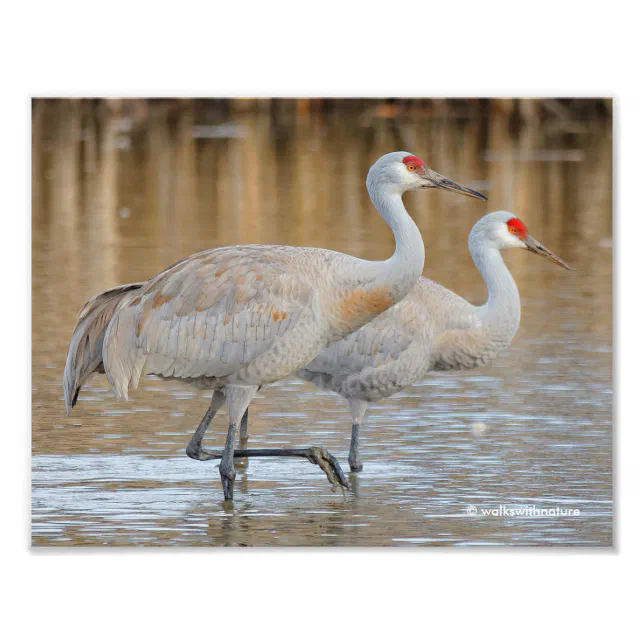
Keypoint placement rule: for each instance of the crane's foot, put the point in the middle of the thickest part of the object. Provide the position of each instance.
(317, 455)
(329, 465)
(200, 453)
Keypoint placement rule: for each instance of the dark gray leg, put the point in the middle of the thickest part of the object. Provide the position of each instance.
(358, 410)
(226, 468)
(355, 462)
(243, 431)
(241, 464)
(194, 449)
(238, 398)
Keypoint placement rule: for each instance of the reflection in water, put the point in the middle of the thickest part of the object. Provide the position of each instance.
(121, 190)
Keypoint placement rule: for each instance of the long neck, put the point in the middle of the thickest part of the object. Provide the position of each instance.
(403, 269)
(501, 315)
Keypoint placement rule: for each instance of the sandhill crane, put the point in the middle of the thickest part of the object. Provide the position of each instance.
(234, 319)
(431, 329)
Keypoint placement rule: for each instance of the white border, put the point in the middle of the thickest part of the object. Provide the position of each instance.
(342, 49)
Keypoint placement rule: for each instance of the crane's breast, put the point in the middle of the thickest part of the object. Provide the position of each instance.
(356, 307)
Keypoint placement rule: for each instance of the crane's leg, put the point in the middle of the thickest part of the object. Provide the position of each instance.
(243, 431)
(238, 398)
(316, 455)
(242, 463)
(194, 449)
(358, 409)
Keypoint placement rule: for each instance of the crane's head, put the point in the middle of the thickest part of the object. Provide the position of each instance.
(502, 229)
(402, 171)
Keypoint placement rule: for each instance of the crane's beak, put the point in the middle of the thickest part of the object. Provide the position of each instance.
(436, 180)
(535, 247)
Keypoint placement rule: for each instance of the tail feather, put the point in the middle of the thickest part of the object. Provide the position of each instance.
(85, 353)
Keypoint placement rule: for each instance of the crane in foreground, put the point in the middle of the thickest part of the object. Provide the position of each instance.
(234, 319)
(431, 329)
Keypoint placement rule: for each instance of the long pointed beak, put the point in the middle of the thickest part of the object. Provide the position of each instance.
(538, 249)
(439, 181)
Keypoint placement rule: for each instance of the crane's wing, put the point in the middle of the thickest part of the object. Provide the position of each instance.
(207, 316)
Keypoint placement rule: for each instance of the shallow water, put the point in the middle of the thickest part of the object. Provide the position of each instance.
(120, 194)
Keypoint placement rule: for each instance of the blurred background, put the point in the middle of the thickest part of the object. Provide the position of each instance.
(121, 189)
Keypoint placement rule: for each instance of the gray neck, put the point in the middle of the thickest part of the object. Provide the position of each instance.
(404, 268)
(501, 314)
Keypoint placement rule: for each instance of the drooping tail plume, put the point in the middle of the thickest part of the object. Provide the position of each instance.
(85, 353)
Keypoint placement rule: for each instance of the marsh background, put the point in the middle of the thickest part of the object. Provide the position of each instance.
(121, 189)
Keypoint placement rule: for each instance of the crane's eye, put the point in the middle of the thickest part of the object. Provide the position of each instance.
(513, 230)
(411, 167)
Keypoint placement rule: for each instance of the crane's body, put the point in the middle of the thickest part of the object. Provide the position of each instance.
(431, 329)
(235, 316)
(396, 349)
(234, 319)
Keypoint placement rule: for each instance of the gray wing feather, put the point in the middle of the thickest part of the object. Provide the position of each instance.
(205, 317)
(85, 352)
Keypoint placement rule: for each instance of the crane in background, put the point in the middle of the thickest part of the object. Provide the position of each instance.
(431, 329)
